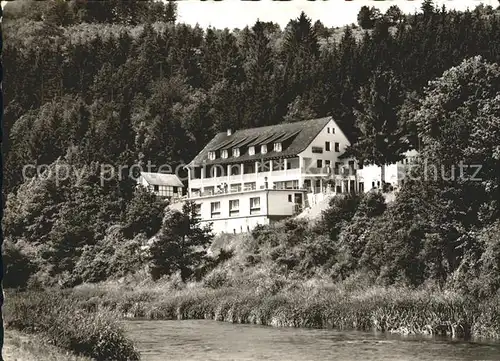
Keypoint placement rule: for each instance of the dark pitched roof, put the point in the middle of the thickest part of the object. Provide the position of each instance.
(299, 134)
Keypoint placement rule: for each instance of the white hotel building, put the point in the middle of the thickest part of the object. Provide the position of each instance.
(261, 175)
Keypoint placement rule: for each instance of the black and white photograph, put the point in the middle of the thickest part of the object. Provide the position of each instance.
(242, 180)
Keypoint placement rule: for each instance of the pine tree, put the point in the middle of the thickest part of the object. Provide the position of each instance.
(260, 81)
(180, 245)
(428, 7)
(170, 12)
(367, 17)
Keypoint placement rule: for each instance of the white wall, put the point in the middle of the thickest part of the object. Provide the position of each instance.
(290, 174)
(279, 204)
(273, 203)
(394, 173)
(243, 197)
(141, 181)
(236, 225)
(309, 159)
(368, 175)
(258, 178)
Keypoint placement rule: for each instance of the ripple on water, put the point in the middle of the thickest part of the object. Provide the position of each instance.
(210, 340)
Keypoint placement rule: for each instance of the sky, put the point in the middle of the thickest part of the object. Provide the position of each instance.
(239, 13)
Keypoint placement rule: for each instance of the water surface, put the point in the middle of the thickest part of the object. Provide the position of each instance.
(198, 340)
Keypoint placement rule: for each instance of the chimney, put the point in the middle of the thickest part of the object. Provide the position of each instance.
(229, 132)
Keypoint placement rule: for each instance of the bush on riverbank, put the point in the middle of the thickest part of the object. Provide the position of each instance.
(57, 317)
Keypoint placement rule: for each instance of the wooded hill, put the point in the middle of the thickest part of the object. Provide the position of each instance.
(83, 89)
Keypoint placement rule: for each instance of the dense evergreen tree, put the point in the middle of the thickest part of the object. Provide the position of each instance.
(180, 245)
(381, 140)
(367, 17)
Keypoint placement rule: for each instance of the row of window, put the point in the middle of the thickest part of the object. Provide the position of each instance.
(165, 191)
(278, 147)
(251, 151)
(327, 148)
(234, 207)
(319, 164)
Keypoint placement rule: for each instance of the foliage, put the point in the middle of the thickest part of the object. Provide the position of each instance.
(341, 211)
(488, 281)
(309, 303)
(394, 15)
(144, 214)
(367, 17)
(459, 125)
(117, 83)
(58, 318)
(381, 139)
(193, 83)
(180, 245)
(114, 256)
(18, 266)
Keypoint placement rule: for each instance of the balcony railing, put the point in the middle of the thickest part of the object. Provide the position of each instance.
(229, 191)
(287, 173)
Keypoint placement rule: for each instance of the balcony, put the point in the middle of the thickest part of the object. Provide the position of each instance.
(243, 190)
(274, 175)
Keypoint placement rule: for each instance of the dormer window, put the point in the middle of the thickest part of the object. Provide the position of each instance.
(251, 150)
(211, 155)
(224, 154)
(277, 147)
(263, 149)
(236, 152)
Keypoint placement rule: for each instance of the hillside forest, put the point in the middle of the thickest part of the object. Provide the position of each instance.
(123, 82)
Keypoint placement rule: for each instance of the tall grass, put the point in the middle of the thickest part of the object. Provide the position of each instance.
(18, 346)
(309, 304)
(58, 318)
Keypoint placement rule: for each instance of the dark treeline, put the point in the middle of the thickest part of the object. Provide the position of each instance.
(82, 89)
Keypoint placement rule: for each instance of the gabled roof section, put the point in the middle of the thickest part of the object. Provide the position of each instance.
(162, 179)
(299, 134)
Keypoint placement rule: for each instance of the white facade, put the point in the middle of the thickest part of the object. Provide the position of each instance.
(242, 211)
(335, 175)
(394, 174)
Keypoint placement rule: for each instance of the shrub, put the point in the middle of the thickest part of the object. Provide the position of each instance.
(144, 214)
(59, 318)
(112, 257)
(18, 267)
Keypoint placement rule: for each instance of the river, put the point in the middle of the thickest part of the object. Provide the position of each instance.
(210, 340)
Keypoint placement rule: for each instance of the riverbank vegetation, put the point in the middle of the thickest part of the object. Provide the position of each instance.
(158, 91)
(60, 322)
(19, 346)
(297, 302)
